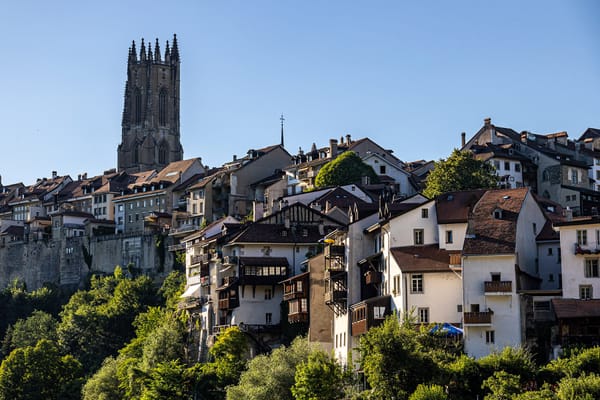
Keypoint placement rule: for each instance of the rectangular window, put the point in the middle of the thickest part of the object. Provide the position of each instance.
(574, 176)
(497, 165)
(549, 251)
(449, 238)
(416, 283)
(507, 165)
(268, 294)
(534, 225)
(424, 213)
(591, 268)
(382, 169)
(517, 167)
(418, 236)
(585, 292)
(379, 312)
(490, 337)
(598, 236)
(396, 289)
(269, 318)
(459, 308)
(424, 315)
(582, 237)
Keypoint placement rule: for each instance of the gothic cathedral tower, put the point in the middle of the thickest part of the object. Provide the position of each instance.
(150, 127)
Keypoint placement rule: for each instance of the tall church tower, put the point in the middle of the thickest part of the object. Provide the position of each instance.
(150, 127)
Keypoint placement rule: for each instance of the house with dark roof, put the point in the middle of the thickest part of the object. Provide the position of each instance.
(558, 165)
(499, 262)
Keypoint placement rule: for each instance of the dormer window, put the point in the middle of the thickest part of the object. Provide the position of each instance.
(498, 213)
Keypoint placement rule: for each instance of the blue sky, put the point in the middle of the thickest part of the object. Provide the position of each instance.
(410, 75)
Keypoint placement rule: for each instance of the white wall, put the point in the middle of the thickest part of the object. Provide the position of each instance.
(506, 320)
(526, 245)
(573, 265)
(402, 227)
(458, 236)
(549, 265)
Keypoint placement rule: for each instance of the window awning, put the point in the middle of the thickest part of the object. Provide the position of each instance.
(192, 291)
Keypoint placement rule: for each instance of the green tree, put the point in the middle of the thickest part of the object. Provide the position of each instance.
(40, 372)
(584, 387)
(514, 361)
(319, 377)
(168, 381)
(502, 385)
(27, 332)
(344, 169)
(104, 384)
(271, 376)
(173, 287)
(392, 362)
(428, 392)
(460, 171)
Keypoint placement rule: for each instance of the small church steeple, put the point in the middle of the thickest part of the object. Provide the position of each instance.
(282, 119)
(175, 50)
(157, 51)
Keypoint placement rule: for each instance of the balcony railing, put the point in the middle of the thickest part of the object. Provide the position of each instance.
(478, 318)
(230, 260)
(301, 316)
(334, 251)
(369, 313)
(229, 303)
(335, 296)
(290, 293)
(582, 249)
(498, 287)
(455, 260)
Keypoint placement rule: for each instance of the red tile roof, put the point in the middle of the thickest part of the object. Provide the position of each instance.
(454, 207)
(429, 258)
(487, 234)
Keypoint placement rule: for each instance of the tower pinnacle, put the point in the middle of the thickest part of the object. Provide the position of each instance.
(282, 119)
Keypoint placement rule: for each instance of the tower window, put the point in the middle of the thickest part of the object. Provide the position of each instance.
(162, 155)
(137, 108)
(162, 107)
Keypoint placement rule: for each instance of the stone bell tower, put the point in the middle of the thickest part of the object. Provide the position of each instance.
(150, 127)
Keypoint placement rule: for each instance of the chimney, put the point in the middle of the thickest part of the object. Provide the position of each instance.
(463, 137)
(234, 157)
(523, 137)
(333, 148)
(341, 140)
(348, 139)
(487, 121)
(79, 177)
(569, 214)
(54, 174)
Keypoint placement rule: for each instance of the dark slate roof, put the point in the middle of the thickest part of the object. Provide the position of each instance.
(429, 258)
(454, 207)
(278, 233)
(547, 233)
(489, 235)
(576, 308)
(590, 133)
(15, 230)
(264, 261)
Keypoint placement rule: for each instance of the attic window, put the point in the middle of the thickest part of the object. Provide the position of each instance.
(284, 233)
(498, 213)
(172, 173)
(450, 197)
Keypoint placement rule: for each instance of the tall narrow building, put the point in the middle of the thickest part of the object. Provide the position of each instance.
(150, 127)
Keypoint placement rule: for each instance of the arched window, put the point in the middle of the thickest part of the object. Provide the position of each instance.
(136, 153)
(137, 106)
(162, 154)
(162, 107)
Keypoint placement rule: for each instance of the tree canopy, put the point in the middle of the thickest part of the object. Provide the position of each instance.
(345, 169)
(460, 171)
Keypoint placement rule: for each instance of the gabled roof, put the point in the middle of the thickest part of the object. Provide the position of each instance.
(547, 233)
(429, 258)
(487, 234)
(454, 207)
(590, 133)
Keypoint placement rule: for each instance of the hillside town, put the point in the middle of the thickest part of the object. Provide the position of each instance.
(266, 249)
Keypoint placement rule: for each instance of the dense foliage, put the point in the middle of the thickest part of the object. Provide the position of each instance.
(85, 354)
(345, 169)
(460, 171)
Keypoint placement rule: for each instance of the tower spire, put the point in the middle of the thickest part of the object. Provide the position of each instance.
(167, 53)
(175, 49)
(282, 119)
(157, 51)
(133, 52)
(143, 51)
(150, 52)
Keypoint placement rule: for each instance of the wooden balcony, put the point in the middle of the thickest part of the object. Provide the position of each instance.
(296, 287)
(298, 317)
(498, 288)
(369, 313)
(229, 303)
(483, 318)
(455, 260)
(372, 277)
(332, 251)
(335, 296)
